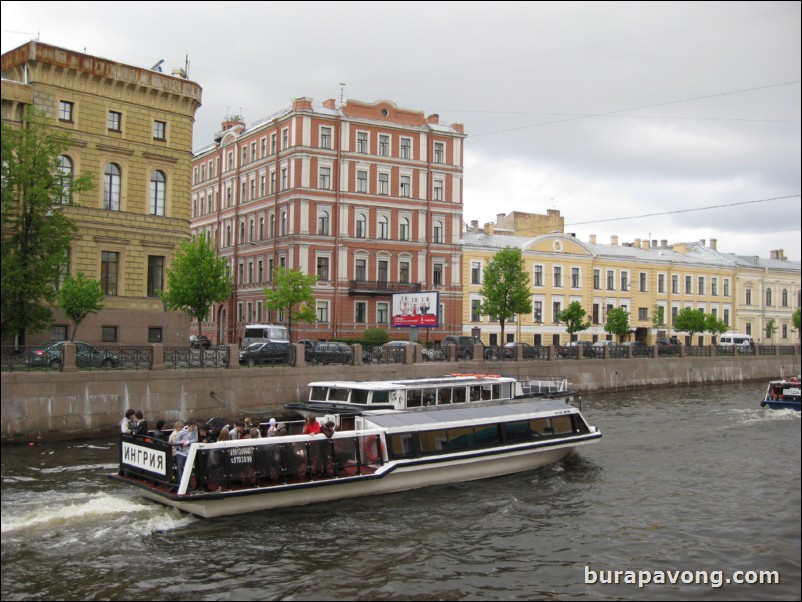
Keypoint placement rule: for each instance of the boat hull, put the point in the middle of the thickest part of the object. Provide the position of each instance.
(392, 477)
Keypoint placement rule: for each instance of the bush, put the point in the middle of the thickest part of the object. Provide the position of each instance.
(375, 337)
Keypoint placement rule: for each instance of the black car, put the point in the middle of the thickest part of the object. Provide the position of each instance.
(266, 353)
(86, 356)
(527, 351)
(465, 345)
(639, 348)
(329, 353)
(198, 341)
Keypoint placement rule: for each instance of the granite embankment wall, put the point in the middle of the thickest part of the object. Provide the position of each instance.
(74, 405)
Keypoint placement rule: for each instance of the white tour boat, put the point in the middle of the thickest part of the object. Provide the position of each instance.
(375, 449)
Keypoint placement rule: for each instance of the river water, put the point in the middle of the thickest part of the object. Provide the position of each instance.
(693, 479)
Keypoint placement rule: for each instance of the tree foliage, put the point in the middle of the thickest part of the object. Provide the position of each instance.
(36, 231)
(659, 316)
(771, 329)
(691, 321)
(292, 295)
(196, 279)
(715, 326)
(617, 322)
(574, 318)
(505, 287)
(375, 336)
(796, 318)
(79, 297)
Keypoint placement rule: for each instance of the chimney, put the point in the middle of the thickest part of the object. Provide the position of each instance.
(489, 228)
(614, 240)
(500, 217)
(778, 254)
(702, 240)
(330, 104)
(475, 225)
(644, 244)
(714, 244)
(654, 242)
(593, 239)
(433, 119)
(664, 242)
(637, 243)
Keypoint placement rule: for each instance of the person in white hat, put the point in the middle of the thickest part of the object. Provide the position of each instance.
(271, 428)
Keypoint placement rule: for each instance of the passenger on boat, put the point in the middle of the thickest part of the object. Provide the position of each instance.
(141, 427)
(225, 433)
(177, 427)
(159, 432)
(271, 427)
(127, 424)
(312, 426)
(187, 436)
(238, 432)
(328, 429)
(281, 430)
(254, 433)
(204, 435)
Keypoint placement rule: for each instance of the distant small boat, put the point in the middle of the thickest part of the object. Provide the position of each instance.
(783, 394)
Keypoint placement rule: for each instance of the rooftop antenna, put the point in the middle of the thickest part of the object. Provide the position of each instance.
(342, 91)
(186, 64)
(157, 66)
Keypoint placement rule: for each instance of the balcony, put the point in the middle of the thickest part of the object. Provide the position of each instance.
(382, 287)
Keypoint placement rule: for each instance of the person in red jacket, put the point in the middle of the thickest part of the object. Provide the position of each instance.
(312, 426)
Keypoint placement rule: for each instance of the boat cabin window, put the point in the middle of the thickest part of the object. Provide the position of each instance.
(414, 398)
(318, 394)
(403, 445)
(444, 396)
(459, 395)
(361, 396)
(339, 394)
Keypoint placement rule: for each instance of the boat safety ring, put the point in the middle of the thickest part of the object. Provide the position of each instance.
(370, 450)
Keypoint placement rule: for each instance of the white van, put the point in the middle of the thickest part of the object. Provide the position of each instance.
(733, 338)
(265, 333)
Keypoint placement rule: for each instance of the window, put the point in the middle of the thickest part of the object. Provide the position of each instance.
(714, 287)
(624, 281)
(361, 270)
(403, 272)
(384, 227)
(643, 313)
(749, 296)
(322, 310)
(661, 283)
(595, 313)
(362, 142)
(285, 138)
(111, 187)
(284, 223)
(768, 297)
(574, 277)
(361, 181)
(701, 286)
(688, 285)
(674, 284)
(749, 328)
(727, 317)
(538, 312)
(109, 265)
(261, 228)
(643, 282)
(115, 121)
(403, 229)
(439, 153)
(406, 187)
(558, 276)
(262, 185)
(160, 133)
(406, 148)
(323, 223)
(476, 306)
(230, 163)
(155, 334)
(263, 148)
(384, 183)
(437, 274)
(155, 275)
(108, 334)
(325, 137)
(596, 280)
(538, 276)
(476, 272)
(325, 178)
(437, 231)
(65, 110)
(784, 298)
(284, 178)
(322, 268)
(437, 190)
(360, 312)
(65, 173)
(726, 287)
(556, 308)
(251, 230)
(785, 331)
(361, 226)
(610, 280)
(384, 145)
(273, 143)
(383, 269)
(382, 313)
(158, 185)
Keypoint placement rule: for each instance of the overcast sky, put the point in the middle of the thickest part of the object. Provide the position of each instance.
(685, 112)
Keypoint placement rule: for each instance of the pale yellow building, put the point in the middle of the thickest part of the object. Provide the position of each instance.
(132, 130)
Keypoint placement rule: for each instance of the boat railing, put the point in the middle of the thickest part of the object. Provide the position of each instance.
(545, 386)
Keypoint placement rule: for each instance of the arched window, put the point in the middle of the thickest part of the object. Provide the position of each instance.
(241, 233)
(768, 297)
(272, 232)
(65, 174)
(158, 188)
(437, 232)
(283, 223)
(404, 231)
(323, 223)
(361, 226)
(785, 297)
(112, 182)
(384, 227)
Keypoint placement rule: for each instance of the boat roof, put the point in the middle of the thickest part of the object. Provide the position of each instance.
(442, 415)
(401, 383)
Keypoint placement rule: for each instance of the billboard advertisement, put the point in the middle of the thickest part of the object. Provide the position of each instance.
(417, 310)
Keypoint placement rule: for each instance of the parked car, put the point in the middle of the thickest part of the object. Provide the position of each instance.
(569, 349)
(510, 351)
(668, 346)
(265, 353)
(329, 353)
(639, 348)
(465, 345)
(198, 341)
(86, 356)
(668, 341)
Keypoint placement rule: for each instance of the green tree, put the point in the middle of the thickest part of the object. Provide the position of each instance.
(375, 336)
(292, 294)
(796, 318)
(691, 321)
(659, 316)
(79, 297)
(36, 230)
(715, 326)
(771, 329)
(505, 287)
(617, 322)
(574, 318)
(196, 279)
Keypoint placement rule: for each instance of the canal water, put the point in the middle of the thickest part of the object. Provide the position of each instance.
(698, 484)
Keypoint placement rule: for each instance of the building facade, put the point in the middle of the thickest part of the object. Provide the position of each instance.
(643, 277)
(132, 130)
(367, 196)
